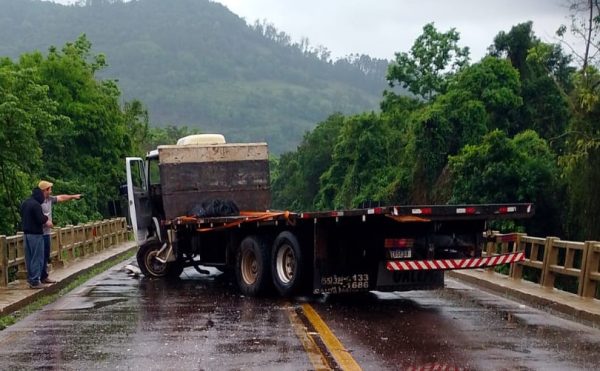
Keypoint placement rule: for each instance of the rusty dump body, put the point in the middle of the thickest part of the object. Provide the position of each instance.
(388, 248)
(193, 174)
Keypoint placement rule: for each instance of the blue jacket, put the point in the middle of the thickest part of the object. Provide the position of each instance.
(32, 217)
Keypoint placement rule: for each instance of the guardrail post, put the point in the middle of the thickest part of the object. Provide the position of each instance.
(102, 229)
(516, 269)
(550, 258)
(114, 238)
(69, 242)
(54, 248)
(80, 240)
(591, 265)
(89, 240)
(59, 238)
(93, 233)
(89, 233)
(97, 244)
(124, 230)
(3, 261)
(583, 269)
(20, 256)
(106, 234)
(490, 247)
(120, 230)
(109, 240)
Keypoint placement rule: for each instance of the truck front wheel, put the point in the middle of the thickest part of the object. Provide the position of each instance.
(287, 264)
(252, 266)
(152, 267)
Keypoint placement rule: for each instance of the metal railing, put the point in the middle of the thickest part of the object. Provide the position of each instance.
(547, 259)
(68, 243)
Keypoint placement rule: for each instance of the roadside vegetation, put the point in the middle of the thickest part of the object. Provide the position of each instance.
(520, 125)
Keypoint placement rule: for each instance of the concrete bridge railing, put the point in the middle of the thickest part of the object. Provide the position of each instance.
(551, 262)
(68, 243)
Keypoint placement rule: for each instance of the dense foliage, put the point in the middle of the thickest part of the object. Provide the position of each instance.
(194, 63)
(59, 122)
(520, 125)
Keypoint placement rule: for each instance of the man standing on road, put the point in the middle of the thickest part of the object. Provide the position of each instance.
(33, 220)
(49, 200)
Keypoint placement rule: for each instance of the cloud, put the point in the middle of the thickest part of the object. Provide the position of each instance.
(381, 28)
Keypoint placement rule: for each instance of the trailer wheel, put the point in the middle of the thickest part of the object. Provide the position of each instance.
(151, 267)
(252, 266)
(287, 264)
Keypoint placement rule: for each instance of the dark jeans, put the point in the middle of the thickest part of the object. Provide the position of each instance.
(44, 273)
(34, 257)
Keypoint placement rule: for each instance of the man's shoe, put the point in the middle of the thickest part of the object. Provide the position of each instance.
(48, 280)
(36, 285)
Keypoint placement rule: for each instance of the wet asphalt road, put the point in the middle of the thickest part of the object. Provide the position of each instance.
(459, 327)
(118, 322)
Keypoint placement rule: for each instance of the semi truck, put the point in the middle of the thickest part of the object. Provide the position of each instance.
(206, 203)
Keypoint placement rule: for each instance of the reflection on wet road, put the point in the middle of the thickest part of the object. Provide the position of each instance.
(458, 328)
(119, 322)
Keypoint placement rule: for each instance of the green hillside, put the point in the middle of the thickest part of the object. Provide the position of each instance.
(194, 63)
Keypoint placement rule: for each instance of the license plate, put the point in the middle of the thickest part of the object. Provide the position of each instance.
(400, 254)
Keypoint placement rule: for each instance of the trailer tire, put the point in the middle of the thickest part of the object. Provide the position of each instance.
(151, 267)
(252, 266)
(287, 265)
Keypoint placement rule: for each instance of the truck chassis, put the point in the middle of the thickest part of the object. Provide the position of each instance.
(395, 248)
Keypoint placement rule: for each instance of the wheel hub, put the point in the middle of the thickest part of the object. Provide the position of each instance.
(249, 267)
(154, 265)
(286, 263)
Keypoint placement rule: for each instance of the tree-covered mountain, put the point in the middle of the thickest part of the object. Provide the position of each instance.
(195, 63)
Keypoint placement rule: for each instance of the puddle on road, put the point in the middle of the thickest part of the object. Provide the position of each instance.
(106, 303)
(76, 303)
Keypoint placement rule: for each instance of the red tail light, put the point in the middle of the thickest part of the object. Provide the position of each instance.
(423, 210)
(466, 210)
(507, 209)
(398, 243)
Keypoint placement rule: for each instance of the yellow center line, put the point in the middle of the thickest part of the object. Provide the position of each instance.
(334, 346)
(312, 349)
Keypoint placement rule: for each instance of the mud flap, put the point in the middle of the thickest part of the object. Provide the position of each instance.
(408, 280)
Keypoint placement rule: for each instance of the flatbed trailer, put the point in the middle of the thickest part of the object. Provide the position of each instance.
(388, 248)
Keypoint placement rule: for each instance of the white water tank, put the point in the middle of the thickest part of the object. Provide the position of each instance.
(202, 139)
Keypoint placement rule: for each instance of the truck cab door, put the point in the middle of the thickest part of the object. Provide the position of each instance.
(138, 197)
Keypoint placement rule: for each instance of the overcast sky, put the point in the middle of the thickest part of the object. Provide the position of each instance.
(380, 28)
